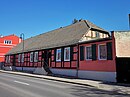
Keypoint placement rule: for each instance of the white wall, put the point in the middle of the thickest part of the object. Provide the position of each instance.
(95, 75)
(104, 76)
(25, 68)
(69, 72)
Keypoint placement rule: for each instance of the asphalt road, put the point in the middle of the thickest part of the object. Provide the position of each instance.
(23, 86)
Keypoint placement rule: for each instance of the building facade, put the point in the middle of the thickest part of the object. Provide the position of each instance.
(83, 50)
(7, 43)
(122, 48)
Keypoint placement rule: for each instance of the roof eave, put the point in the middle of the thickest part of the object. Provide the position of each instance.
(96, 40)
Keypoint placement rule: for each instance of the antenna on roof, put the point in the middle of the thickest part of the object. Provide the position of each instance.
(74, 21)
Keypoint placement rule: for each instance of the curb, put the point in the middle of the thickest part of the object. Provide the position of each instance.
(46, 77)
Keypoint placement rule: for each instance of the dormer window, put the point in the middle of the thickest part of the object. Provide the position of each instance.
(7, 41)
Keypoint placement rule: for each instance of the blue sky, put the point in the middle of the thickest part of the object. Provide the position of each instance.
(33, 17)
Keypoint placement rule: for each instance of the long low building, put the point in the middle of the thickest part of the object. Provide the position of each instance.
(82, 50)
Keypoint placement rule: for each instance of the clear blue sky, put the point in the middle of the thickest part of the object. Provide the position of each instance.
(33, 17)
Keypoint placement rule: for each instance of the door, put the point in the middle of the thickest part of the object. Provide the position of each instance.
(46, 58)
(46, 55)
(123, 70)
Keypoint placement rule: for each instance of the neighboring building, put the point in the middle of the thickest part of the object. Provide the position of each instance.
(122, 48)
(7, 43)
(82, 49)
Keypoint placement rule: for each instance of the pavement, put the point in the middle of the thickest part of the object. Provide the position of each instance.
(108, 86)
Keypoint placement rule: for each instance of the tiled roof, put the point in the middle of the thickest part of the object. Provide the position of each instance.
(60, 37)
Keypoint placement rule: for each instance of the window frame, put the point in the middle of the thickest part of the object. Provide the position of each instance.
(58, 60)
(87, 58)
(19, 58)
(65, 54)
(36, 56)
(31, 57)
(99, 54)
(22, 59)
(7, 59)
(97, 34)
(7, 41)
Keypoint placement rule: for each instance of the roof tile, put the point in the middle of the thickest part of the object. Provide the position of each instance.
(60, 37)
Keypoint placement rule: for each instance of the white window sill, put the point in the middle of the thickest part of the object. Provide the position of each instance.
(88, 59)
(102, 59)
(66, 60)
(58, 60)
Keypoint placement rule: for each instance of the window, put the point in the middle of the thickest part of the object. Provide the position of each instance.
(22, 60)
(31, 57)
(81, 53)
(19, 57)
(102, 35)
(58, 55)
(36, 57)
(7, 42)
(7, 59)
(97, 34)
(102, 54)
(88, 53)
(67, 54)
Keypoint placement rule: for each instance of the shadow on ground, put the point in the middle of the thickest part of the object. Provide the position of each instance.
(81, 91)
(117, 84)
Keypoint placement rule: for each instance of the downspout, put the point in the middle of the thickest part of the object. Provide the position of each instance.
(114, 53)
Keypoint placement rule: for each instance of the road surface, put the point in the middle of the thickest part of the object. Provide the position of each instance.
(23, 86)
